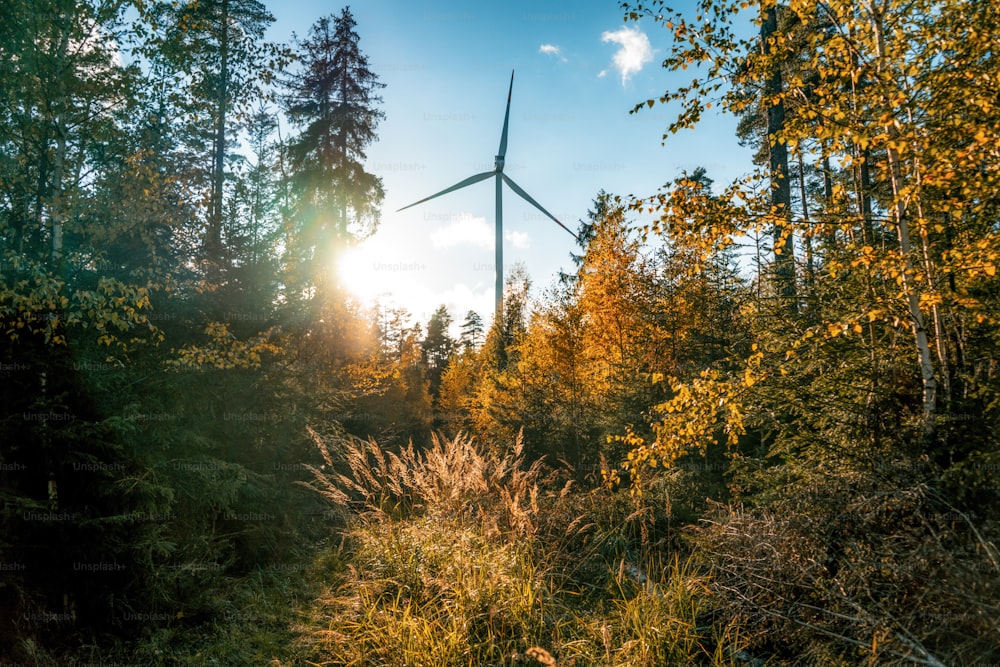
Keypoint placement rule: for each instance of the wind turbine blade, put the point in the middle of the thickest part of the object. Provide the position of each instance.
(506, 118)
(458, 186)
(524, 195)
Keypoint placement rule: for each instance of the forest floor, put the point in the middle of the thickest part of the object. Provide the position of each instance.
(456, 555)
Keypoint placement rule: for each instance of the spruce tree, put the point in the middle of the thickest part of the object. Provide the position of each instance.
(472, 332)
(334, 99)
(437, 346)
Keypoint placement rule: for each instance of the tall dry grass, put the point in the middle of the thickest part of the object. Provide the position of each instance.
(465, 555)
(451, 479)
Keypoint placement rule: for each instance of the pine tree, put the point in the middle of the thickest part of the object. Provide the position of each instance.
(585, 234)
(253, 222)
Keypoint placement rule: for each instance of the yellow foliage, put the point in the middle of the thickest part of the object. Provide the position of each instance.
(703, 412)
(225, 351)
(40, 306)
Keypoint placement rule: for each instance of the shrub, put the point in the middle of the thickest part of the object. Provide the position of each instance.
(856, 570)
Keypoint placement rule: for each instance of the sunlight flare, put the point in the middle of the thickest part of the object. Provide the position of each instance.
(371, 269)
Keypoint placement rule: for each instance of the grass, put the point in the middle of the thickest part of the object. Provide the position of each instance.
(249, 620)
(429, 592)
(460, 555)
(457, 557)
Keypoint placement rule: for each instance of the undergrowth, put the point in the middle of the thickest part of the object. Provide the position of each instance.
(465, 555)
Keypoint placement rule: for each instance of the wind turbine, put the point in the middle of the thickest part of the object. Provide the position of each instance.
(501, 177)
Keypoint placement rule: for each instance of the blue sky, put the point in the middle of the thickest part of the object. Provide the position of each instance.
(579, 68)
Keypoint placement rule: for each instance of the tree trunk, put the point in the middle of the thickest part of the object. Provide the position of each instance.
(807, 236)
(829, 229)
(927, 373)
(781, 193)
(213, 239)
(864, 185)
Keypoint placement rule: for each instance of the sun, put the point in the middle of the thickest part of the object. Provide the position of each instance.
(359, 271)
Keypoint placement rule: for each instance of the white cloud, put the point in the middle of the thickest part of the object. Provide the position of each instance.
(519, 240)
(474, 231)
(552, 50)
(634, 54)
(467, 230)
(461, 298)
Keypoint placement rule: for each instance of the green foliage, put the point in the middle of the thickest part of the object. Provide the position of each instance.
(211, 67)
(177, 365)
(472, 332)
(437, 347)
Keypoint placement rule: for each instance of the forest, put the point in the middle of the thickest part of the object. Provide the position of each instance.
(757, 424)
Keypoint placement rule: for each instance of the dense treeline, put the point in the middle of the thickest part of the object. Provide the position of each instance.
(762, 415)
(170, 321)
